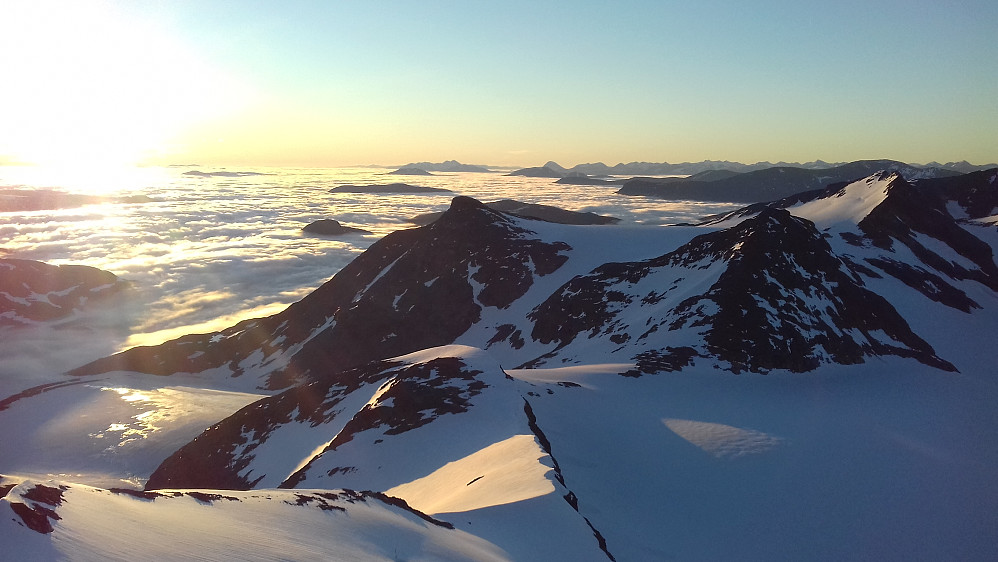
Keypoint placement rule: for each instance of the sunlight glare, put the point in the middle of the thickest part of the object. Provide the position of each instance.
(84, 85)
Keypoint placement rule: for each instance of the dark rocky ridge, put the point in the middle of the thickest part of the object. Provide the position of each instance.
(782, 295)
(211, 460)
(408, 291)
(409, 396)
(414, 396)
(907, 213)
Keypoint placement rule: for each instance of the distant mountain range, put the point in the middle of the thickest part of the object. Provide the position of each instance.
(729, 181)
(768, 184)
(689, 168)
(448, 166)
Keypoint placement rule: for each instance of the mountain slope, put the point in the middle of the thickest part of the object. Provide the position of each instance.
(411, 290)
(974, 193)
(55, 520)
(765, 294)
(444, 429)
(771, 183)
(882, 223)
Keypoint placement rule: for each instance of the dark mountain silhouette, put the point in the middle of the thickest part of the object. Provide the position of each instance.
(448, 166)
(783, 300)
(768, 184)
(537, 172)
(531, 211)
(410, 171)
(331, 227)
(975, 192)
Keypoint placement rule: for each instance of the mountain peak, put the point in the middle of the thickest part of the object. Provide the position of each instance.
(463, 202)
(777, 297)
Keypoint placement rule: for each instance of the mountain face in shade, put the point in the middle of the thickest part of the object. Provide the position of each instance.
(974, 193)
(883, 216)
(411, 290)
(32, 291)
(776, 298)
(546, 213)
(770, 183)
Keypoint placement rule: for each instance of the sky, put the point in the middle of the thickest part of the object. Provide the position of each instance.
(337, 83)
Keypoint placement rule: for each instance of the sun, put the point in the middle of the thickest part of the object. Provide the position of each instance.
(86, 86)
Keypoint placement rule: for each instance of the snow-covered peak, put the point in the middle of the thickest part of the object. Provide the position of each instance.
(851, 204)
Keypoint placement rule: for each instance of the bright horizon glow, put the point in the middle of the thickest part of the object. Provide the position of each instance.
(308, 83)
(88, 87)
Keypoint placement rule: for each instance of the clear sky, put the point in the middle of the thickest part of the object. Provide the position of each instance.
(317, 83)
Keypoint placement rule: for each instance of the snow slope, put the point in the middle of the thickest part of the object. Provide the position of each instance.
(52, 520)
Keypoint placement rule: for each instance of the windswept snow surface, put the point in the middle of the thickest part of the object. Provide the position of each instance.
(849, 205)
(887, 460)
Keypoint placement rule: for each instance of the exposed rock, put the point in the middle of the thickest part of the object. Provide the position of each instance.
(915, 218)
(781, 300)
(975, 192)
(36, 507)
